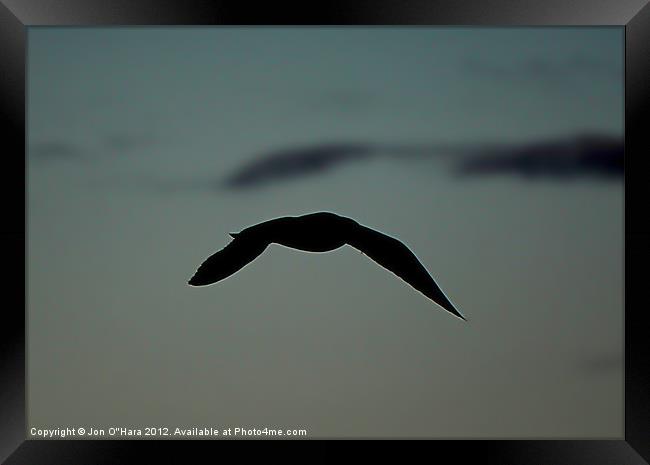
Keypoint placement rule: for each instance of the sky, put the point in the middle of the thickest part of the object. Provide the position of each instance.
(131, 135)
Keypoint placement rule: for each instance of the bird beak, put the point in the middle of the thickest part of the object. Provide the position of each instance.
(234, 235)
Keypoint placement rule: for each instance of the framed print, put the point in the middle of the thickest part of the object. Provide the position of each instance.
(377, 220)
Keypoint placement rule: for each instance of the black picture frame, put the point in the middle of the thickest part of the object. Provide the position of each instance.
(634, 15)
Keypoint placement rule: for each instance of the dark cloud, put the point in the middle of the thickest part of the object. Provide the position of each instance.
(545, 68)
(60, 150)
(583, 156)
(590, 155)
(53, 150)
(293, 163)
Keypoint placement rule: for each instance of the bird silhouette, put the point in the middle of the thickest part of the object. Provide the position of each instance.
(320, 232)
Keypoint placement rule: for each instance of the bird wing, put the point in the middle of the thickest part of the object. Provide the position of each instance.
(232, 258)
(397, 258)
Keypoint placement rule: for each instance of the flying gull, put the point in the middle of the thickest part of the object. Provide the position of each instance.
(320, 232)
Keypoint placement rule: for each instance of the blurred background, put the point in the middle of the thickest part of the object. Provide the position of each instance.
(496, 155)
